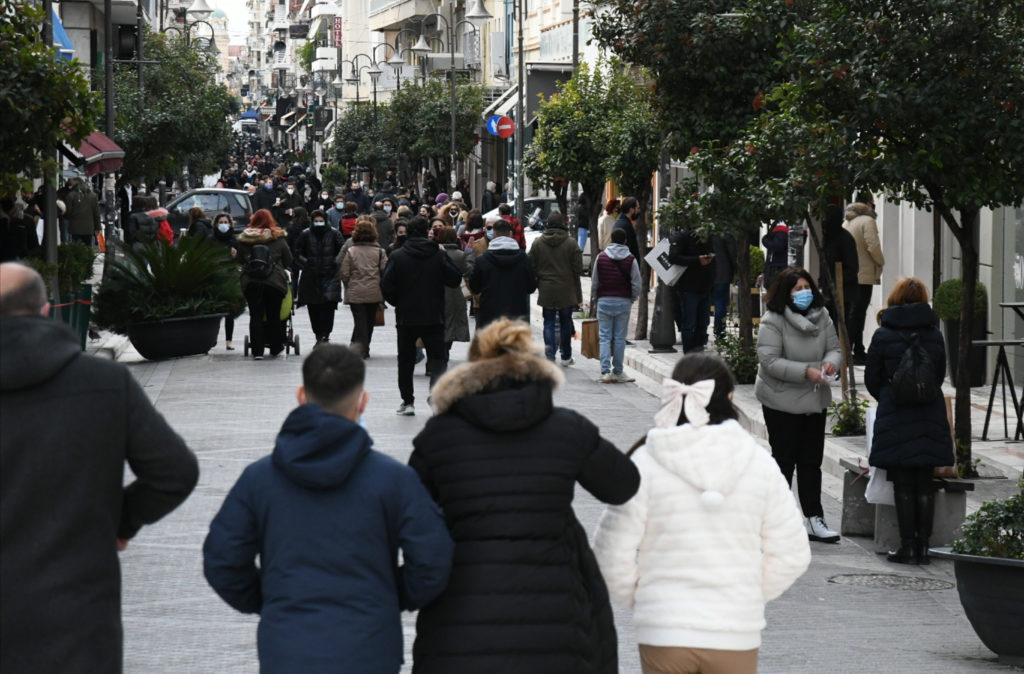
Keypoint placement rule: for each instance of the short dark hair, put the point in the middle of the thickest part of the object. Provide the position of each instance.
(628, 204)
(475, 219)
(26, 298)
(318, 213)
(331, 373)
(502, 227)
(446, 235)
(619, 235)
(556, 219)
(504, 209)
(417, 227)
(778, 297)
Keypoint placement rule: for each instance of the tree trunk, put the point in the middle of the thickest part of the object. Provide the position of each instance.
(594, 195)
(743, 297)
(969, 273)
(643, 200)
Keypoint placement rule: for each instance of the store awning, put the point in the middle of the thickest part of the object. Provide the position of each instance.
(249, 114)
(503, 105)
(61, 40)
(297, 122)
(96, 154)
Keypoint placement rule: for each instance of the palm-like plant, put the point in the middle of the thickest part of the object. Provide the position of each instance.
(155, 282)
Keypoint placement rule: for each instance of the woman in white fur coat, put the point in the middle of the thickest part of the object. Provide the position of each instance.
(713, 534)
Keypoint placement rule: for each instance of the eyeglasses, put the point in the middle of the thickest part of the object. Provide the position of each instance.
(488, 228)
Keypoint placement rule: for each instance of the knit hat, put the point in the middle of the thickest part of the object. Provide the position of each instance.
(442, 198)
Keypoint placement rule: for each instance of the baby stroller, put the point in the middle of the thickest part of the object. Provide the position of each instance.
(291, 340)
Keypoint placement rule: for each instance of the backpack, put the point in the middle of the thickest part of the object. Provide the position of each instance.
(914, 382)
(259, 265)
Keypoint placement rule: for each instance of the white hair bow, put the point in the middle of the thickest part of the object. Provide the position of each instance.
(697, 397)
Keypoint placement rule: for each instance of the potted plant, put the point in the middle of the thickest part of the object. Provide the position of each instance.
(946, 304)
(169, 300)
(989, 565)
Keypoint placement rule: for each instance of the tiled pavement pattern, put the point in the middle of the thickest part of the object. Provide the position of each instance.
(229, 409)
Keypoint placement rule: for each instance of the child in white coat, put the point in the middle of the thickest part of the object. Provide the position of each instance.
(713, 534)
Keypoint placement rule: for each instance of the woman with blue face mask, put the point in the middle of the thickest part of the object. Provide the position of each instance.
(798, 357)
(224, 234)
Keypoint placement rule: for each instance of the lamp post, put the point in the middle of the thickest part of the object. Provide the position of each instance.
(520, 93)
(354, 75)
(396, 61)
(199, 10)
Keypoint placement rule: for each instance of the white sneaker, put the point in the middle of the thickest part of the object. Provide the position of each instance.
(568, 361)
(607, 378)
(623, 378)
(817, 530)
(406, 410)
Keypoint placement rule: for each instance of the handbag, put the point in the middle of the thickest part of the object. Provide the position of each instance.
(378, 320)
(590, 345)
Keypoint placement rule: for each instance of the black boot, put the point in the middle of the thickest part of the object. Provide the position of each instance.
(925, 515)
(905, 518)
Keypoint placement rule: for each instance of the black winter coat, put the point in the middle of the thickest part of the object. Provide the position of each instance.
(414, 282)
(263, 198)
(631, 241)
(840, 246)
(685, 249)
(907, 436)
(525, 594)
(505, 280)
(201, 228)
(68, 423)
(316, 252)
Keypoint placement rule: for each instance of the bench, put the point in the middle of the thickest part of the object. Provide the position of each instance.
(861, 518)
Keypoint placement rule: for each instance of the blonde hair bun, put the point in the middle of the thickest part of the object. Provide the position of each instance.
(503, 336)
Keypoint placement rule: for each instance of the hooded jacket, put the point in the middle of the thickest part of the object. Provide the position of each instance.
(787, 344)
(503, 277)
(558, 264)
(860, 222)
(609, 273)
(907, 436)
(279, 253)
(718, 532)
(68, 424)
(503, 462)
(414, 282)
(327, 516)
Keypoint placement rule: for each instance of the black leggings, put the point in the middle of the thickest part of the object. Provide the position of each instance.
(265, 325)
(798, 443)
(911, 480)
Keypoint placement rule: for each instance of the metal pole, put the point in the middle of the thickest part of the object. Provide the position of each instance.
(520, 122)
(108, 67)
(451, 50)
(138, 40)
(51, 232)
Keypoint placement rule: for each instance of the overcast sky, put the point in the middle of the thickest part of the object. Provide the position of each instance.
(238, 18)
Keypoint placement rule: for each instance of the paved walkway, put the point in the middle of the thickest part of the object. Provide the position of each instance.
(229, 410)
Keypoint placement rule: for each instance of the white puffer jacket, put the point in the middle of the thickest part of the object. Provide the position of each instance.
(713, 534)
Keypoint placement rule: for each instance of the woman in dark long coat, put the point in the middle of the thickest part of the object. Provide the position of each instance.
(909, 440)
(525, 594)
(316, 252)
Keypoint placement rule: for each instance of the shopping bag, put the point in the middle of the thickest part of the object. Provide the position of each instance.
(590, 344)
(657, 259)
(879, 489)
(378, 320)
(101, 241)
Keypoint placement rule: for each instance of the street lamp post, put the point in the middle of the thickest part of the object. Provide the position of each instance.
(199, 10)
(520, 122)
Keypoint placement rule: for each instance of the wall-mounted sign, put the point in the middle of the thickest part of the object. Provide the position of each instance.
(337, 32)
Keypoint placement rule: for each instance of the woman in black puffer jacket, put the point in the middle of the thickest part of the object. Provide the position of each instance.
(909, 440)
(525, 593)
(316, 252)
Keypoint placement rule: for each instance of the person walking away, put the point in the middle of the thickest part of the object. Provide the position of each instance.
(489, 200)
(861, 224)
(558, 263)
(502, 277)
(724, 248)
(617, 286)
(910, 437)
(838, 246)
(702, 478)
(327, 517)
(65, 507)
(362, 265)
(503, 463)
(265, 257)
(224, 235)
(693, 289)
(505, 213)
(319, 284)
(199, 224)
(798, 355)
(776, 243)
(83, 210)
(629, 212)
(414, 282)
(141, 228)
(607, 222)
(456, 320)
(582, 222)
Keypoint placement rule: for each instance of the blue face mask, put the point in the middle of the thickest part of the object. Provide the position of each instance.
(490, 234)
(803, 299)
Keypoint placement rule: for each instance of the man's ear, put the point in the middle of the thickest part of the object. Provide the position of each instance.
(300, 395)
(364, 400)
(45, 311)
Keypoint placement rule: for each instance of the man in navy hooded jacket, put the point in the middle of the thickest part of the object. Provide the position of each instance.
(327, 516)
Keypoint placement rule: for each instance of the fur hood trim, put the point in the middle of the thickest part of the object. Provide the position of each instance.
(856, 210)
(478, 376)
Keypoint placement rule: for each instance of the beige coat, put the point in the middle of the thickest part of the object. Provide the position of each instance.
(860, 222)
(361, 270)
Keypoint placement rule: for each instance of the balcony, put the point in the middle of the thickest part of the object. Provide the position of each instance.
(394, 14)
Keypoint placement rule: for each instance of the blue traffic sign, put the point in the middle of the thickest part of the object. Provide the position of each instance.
(492, 125)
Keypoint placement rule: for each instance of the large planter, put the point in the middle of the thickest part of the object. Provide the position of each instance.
(174, 337)
(978, 354)
(992, 594)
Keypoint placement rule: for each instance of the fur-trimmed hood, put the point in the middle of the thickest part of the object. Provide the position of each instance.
(256, 235)
(509, 392)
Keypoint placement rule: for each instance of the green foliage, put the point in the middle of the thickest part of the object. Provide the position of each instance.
(306, 54)
(44, 100)
(180, 117)
(756, 261)
(334, 176)
(995, 530)
(949, 298)
(74, 265)
(157, 281)
(741, 361)
(361, 138)
(849, 416)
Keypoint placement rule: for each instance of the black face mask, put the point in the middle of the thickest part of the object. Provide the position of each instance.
(400, 238)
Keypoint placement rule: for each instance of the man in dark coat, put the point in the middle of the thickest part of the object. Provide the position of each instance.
(838, 245)
(288, 202)
(693, 289)
(265, 196)
(327, 516)
(776, 243)
(414, 282)
(558, 264)
(69, 423)
(503, 277)
(359, 197)
(629, 211)
(724, 248)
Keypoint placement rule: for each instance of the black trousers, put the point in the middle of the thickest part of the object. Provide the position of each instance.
(798, 443)
(229, 327)
(321, 318)
(265, 326)
(858, 316)
(363, 317)
(437, 361)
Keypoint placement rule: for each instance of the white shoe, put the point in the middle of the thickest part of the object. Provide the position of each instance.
(623, 378)
(817, 530)
(568, 361)
(607, 378)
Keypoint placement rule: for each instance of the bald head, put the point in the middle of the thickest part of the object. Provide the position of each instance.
(22, 291)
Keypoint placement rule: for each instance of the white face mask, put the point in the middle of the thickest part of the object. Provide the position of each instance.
(325, 196)
(339, 205)
(291, 190)
(387, 208)
(319, 223)
(223, 227)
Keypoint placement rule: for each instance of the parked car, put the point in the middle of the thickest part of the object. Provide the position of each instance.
(537, 211)
(212, 200)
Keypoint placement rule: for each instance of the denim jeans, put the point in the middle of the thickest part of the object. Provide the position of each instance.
(612, 325)
(565, 329)
(581, 237)
(720, 300)
(694, 316)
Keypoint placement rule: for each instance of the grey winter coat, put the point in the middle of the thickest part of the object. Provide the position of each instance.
(787, 345)
(362, 265)
(456, 320)
(558, 263)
